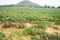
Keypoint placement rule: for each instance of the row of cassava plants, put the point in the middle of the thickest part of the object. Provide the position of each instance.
(28, 14)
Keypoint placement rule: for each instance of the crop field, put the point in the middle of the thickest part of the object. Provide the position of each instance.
(29, 23)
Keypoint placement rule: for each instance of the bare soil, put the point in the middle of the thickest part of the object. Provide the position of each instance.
(51, 30)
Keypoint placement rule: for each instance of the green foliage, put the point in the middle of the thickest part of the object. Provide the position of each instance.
(34, 38)
(57, 22)
(56, 28)
(30, 31)
(29, 14)
(34, 31)
(41, 24)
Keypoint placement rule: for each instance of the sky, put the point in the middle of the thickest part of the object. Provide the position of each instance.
(40, 2)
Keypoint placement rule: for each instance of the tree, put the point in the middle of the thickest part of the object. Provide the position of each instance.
(48, 6)
(53, 7)
(45, 6)
(58, 6)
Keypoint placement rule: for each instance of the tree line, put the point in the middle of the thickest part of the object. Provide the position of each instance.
(46, 6)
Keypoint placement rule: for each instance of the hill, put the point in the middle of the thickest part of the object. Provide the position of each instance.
(27, 3)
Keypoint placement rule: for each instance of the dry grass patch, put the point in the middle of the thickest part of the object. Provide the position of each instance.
(15, 25)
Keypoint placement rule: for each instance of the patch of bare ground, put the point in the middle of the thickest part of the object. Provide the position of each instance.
(27, 24)
(27, 37)
(52, 31)
(58, 26)
(1, 24)
(23, 37)
(53, 24)
(9, 28)
(12, 32)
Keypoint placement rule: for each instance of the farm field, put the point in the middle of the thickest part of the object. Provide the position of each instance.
(29, 23)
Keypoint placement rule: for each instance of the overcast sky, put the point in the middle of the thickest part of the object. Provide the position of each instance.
(40, 2)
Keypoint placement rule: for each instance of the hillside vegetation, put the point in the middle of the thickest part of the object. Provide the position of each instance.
(29, 23)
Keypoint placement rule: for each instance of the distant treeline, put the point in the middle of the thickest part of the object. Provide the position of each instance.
(30, 6)
(6, 5)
